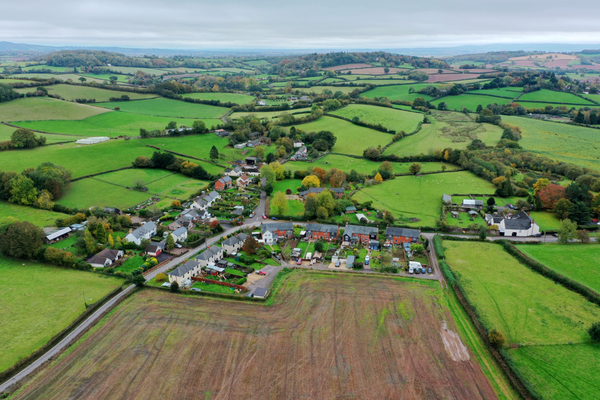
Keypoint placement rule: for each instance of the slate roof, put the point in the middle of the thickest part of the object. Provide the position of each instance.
(225, 179)
(179, 232)
(361, 230)
(322, 228)
(260, 292)
(411, 233)
(232, 241)
(144, 229)
(467, 202)
(208, 253)
(109, 253)
(184, 268)
(96, 259)
(279, 226)
(519, 221)
(57, 233)
(152, 248)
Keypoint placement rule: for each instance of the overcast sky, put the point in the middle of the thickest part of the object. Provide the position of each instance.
(305, 24)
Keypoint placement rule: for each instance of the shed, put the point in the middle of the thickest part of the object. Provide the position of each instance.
(260, 293)
(350, 261)
(454, 214)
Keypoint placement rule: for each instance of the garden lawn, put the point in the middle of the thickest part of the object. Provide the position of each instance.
(295, 208)
(421, 197)
(45, 108)
(36, 216)
(562, 142)
(469, 101)
(222, 97)
(546, 220)
(292, 184)
(351, 139)
(522, 304)
(131, 264)
(464, 220)
(551, 96)
(390, 118)
(72, 92)
(580, 262)
(212, 288)
(168, 108)
(39, 301)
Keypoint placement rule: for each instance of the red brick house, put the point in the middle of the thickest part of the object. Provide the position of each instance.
(322, 232)
(402, 235)
(223, 183)
(364, 234)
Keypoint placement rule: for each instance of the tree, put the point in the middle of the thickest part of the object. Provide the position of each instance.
(562, 207)
(142, 162)
(170, 242)
(482, 233)
(278, 169)
(491, 202)
(389, 217)
(319, 246)
(21, 240)
(387, 166)
(579, 213)
(310, 205)
(414, 168)
(310, 181)
(322, 213)
(171, 125)
(138, 280)
(268, 173)
(378, 178)
(44, 201)
(90, 242)
(280, 152)
(251, 245)
(24, 138)
(594, 332)
(583, 236)
(496, 338)
(176, 203)
(161, 277)
(199, 127)
(280, 203)
(326, 200)
(268, 189)
(111, 241)
(22, 190)
(539, 185)
(338, 179)
(174, 288)
(270, 158)
(82, 79)
(567, 231)
(259, 152)
(101, 233)
(214, 153)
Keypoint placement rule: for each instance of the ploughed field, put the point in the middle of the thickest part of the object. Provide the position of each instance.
(324, 337)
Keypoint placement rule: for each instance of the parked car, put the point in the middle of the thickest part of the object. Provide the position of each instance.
(261, 272)
(538, 235)
(251, 215)
(429, 270)
(299, 261)
(337, 263)
(264, 216)
(555, 234)
(417, 271)
(178, 245)
(423, 270)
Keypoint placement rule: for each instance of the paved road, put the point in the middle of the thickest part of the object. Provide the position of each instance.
(545, 238)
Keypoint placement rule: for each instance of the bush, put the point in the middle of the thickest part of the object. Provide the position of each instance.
(241, 281)
(594, 332)
(174, 287)
(496, 338)
(393, 270)
(161, 277)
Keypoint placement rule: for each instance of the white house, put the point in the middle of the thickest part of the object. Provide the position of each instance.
(179, 235)
(243, 181)
(105, 258)
(145, 231)
(203, 202)
(271, 233)
(210, 255)
(234, 243)
(519, 224)
(184, 272)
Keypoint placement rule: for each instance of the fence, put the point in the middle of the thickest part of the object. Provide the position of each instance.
(231, 285)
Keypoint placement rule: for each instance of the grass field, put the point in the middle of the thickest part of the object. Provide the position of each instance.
(421, 197)
(562, 142)
(526, 307)
(222, 97)
(168, 108)
(337, 338)
(34, 215)
(106, 77)
(111, 124)
(72, 92)
(398, 92)
(320, 89)
(470, 101)
(92, 192)
(351, 139)
(579, 262)
(45, 108)
(554, 97)
(389, 117)
(39, 301)
(546, 220)
(62, 77)
(270, 114)
(507, 92)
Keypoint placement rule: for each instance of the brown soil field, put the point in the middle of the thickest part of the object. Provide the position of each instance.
(555, 56)
(325, 336)
(451, 77)
(429, 71)
(347, 66)
(374, 71)
(557, 63)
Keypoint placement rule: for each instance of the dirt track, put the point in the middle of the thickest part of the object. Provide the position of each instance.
(325, 337)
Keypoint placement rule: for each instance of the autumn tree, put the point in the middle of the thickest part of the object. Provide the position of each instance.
(90, 242)
(387, 166)
(310, 205)
(22, 190)
(337, 179)
(280, 203)
(44, 200)
(251, 245)
(551, 194)
(160, 277)
(320, 173)
(378, 178)
(267, 173)
(111, 241)
(583, 236)
(539, 185)
(496, 338)
(325, 199)
(278, 169)
(176, 203)
(311, 181)
(414, 168)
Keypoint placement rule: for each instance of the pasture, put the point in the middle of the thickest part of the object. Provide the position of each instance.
(546, 220)
(562, 142)
(222, 97)
(271, 114)
(320, 89)
(356, 345)
(398, 92)
(389, 117)
(45, 108)
(526, 307)
(36, 216)
(93, 192)
(417, 200)
(351, 139)
(62, 77)
(168, 108)
(579, 262)
(106, 77)
(469, 101)
(72, 92)
(508, 92)
(552, 96)
(39, 301)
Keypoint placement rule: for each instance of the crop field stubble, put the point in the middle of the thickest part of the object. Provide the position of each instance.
(325, 336)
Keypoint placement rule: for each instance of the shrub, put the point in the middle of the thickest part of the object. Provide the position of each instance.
(161, 277)
(496, 338)
(393, 270)
(594, 332)
(174, 287)
(241, 281)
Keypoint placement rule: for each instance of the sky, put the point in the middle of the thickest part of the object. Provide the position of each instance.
(306, 24)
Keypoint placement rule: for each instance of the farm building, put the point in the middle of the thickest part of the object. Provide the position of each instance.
(360, 217)
(57, 235)
(298, 144)
(364, 234)
(321, 232)
(271, 233)
(223, 183)
(253, 143)
(402, 235)
(145, 231)
(234, 243)
(184, 271)
(466, 203)
(93, 140)
(221, 133)
(180, 234)
(447, 199)
(251, 160)
(519, 224)
(338, 192)
(105, 258)
(210, 255)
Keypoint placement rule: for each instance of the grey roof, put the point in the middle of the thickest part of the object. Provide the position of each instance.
(350, 208)
(472, 202)
(208, 253)
(322, 228)
(319, 190)
(96, 259)
(184, 268)
(225, 179)
(251, 158)
(151, 248)
(411, 233)
(144, 229)
(260, 292)
(232, 241)
(179, 231)
(446, 198)
(57, 233)
(350, 260)
(519, 221)
(109, 253)
(279, 226)
(363, 230)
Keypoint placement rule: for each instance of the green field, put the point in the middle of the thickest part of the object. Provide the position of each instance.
(49, 67)
(398, 92)
(62, 77)
(91, 192)
(546, 220)
(45, 108)
(292, 184)
(562, 142)
(270, 114)
(72, 92)
(106, 77)
(421, 197)
(351, 139)
(34, 215)
(508, 92)
(579, 262)
(526, 307)
(389, 117)
(39, 301)
(554, 97)
(222, 97)
(320, 89)
(111, 124)
(168, 108)
(560, 372)
(469, 101)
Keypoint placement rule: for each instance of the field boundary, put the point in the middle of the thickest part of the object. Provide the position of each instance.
(100, 173)
(185, 155)
(26, 361)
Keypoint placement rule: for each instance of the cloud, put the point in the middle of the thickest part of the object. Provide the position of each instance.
(304, 24)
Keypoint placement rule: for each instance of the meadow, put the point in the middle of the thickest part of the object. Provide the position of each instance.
(552, 96)
(351, 139)
(359, 344)
(45, 108)
(92, 192)
(389, 117)
(562, 142)
(508, 92)
(62, 77)
(320, 89)
(36, 216)
(420, 198)
(469, 101)
(106, 77)
(48, 67)
(222, 97)
(113, 123)
(39, 301)
(72, 92)
(526, 307)
(398, 92)
(168, 108)
(546, 220)
(579, 262)
(270, 114)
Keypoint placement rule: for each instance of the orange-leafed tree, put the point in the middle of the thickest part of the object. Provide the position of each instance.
(551, 194)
